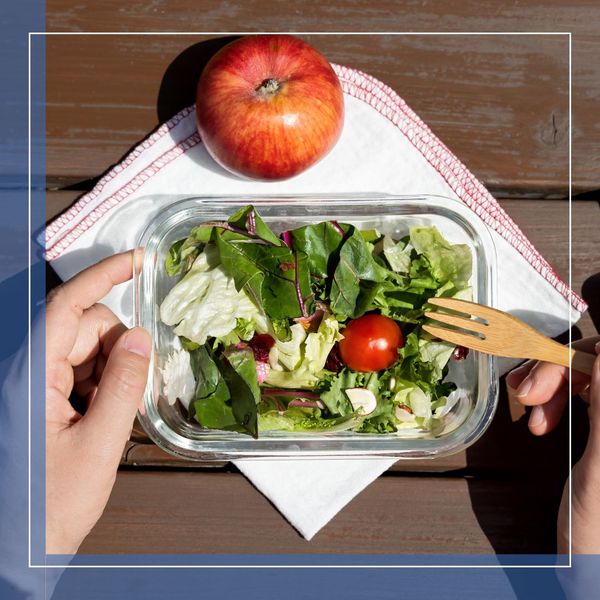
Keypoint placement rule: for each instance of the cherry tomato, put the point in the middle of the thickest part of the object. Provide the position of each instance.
(371, 343)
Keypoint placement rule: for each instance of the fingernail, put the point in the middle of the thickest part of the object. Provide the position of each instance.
(525, 386)
(138, 341)
(537, 417)
(138, 259)
(597, 347)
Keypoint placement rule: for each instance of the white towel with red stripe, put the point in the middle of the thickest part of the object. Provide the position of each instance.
(384, 147)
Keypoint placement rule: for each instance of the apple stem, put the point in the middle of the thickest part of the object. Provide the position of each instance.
(268, 87)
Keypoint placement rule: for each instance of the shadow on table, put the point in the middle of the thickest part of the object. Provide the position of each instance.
(178, 85)
(590, 291)
(177, 91)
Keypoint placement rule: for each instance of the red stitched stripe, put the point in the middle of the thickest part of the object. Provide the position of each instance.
(161, 131)
(121, 194)
(458, 177)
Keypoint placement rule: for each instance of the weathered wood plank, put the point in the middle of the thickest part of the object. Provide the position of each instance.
(464, 110)
(149, 512)
(500, 103)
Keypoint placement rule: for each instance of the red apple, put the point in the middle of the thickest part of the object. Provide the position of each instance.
(269, 106)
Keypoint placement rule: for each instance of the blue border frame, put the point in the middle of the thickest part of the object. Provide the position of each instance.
(131, 582)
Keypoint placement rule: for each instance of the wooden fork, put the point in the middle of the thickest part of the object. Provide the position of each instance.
(496, 332)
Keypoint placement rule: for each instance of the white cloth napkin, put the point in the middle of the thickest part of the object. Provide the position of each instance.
(384, 147)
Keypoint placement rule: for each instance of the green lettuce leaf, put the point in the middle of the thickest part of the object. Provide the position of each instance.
(247, 219)
(448, 262)
(206, 303)
(211, 406)
(289, 353)
(395, 255)
(436, 353)
(300, 361)
(334, 396)
(309, 420)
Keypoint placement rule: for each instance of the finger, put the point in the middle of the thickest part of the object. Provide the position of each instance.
(516, 376)
(545, 417)
(544, 380)
(99, 328)
(109, 419)
(593, 446)
(66, 303)
(87, 387)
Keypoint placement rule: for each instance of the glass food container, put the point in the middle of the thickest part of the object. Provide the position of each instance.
(476, 376)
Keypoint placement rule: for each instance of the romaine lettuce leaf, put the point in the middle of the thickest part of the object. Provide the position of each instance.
(205, 303)
(178, 378)
(243, 332)
(437, 353)
(298, 363)
(302, 419)
(334, 396)
(289, 353)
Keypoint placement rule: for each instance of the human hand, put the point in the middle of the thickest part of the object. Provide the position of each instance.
(546, 387)
(90, 351)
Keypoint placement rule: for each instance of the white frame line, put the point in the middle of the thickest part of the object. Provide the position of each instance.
(224, 33)
(406, 33)
(29, 297)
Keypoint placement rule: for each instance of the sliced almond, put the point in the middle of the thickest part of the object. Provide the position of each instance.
(402, 413)
(361, 398)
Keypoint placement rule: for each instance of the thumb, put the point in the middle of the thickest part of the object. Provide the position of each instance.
(109, 419)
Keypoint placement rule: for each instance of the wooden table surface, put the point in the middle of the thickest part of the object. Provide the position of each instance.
(501, 104)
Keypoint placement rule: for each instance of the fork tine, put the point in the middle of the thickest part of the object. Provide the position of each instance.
(471, 308)
(457, 338)
(461, 322)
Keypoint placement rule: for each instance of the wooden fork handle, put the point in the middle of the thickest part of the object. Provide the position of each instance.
(582, 361)
(558, 354)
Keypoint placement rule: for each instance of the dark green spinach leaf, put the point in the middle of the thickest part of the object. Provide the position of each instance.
(248, 219)
(211, 401)
(276, 276)
(321, 243)
(356, 263)
(239, 372)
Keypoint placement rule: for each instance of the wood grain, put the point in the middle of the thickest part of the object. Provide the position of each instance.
(500, 103)
(468, 89)
(213, 512)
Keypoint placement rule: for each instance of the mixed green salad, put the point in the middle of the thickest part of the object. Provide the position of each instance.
(316, 329)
